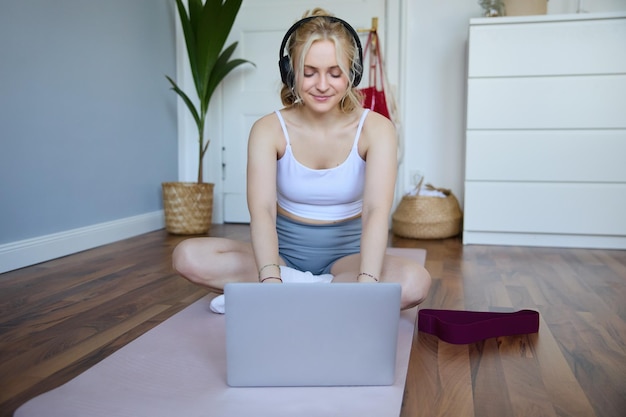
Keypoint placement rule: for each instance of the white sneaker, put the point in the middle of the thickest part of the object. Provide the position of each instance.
(217, 304)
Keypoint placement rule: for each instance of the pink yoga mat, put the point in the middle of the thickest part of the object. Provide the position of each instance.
(179, 369)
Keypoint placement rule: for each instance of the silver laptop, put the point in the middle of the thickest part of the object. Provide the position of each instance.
(341, 334)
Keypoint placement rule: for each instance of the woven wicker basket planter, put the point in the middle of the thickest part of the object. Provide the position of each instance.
(425, 217)
(188, 207)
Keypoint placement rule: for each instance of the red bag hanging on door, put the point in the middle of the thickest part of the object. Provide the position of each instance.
(374, 97)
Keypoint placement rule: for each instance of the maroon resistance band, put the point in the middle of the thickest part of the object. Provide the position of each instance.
(461, 327)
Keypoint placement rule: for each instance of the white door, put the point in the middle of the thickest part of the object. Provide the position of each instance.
(251, 92)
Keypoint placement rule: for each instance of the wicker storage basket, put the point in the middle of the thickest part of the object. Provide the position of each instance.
(525, 7)
(426, 217)
(188, 207)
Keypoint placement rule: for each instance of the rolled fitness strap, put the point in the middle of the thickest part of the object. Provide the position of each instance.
(462, 327)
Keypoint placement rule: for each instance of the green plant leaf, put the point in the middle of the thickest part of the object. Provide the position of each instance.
(202, 29)
(224, 24)
(218, 76)
(188, 102)
(222, 68)
(190, 37)
(213, 29)
(195, 9)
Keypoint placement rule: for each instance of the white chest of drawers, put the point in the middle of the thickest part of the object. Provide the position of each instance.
(546, 131)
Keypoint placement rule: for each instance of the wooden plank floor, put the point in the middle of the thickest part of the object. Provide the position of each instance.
(61, 317)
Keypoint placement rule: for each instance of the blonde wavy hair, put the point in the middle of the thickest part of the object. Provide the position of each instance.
(345, 48)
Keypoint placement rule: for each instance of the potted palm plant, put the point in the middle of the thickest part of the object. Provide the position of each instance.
(189, 205)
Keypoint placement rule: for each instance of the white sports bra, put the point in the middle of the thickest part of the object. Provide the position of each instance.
(321, 194)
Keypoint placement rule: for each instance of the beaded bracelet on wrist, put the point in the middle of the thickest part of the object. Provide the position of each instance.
(266, 278)
(367, 275)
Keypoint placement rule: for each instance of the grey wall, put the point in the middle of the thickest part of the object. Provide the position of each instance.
(87, 120)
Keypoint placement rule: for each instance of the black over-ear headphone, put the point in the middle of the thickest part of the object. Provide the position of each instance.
(285, 64)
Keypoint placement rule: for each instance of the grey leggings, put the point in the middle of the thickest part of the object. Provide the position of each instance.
(315, 248)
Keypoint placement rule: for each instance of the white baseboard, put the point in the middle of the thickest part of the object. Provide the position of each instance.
(28, 252)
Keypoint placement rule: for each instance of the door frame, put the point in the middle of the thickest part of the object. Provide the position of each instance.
(395, 51)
